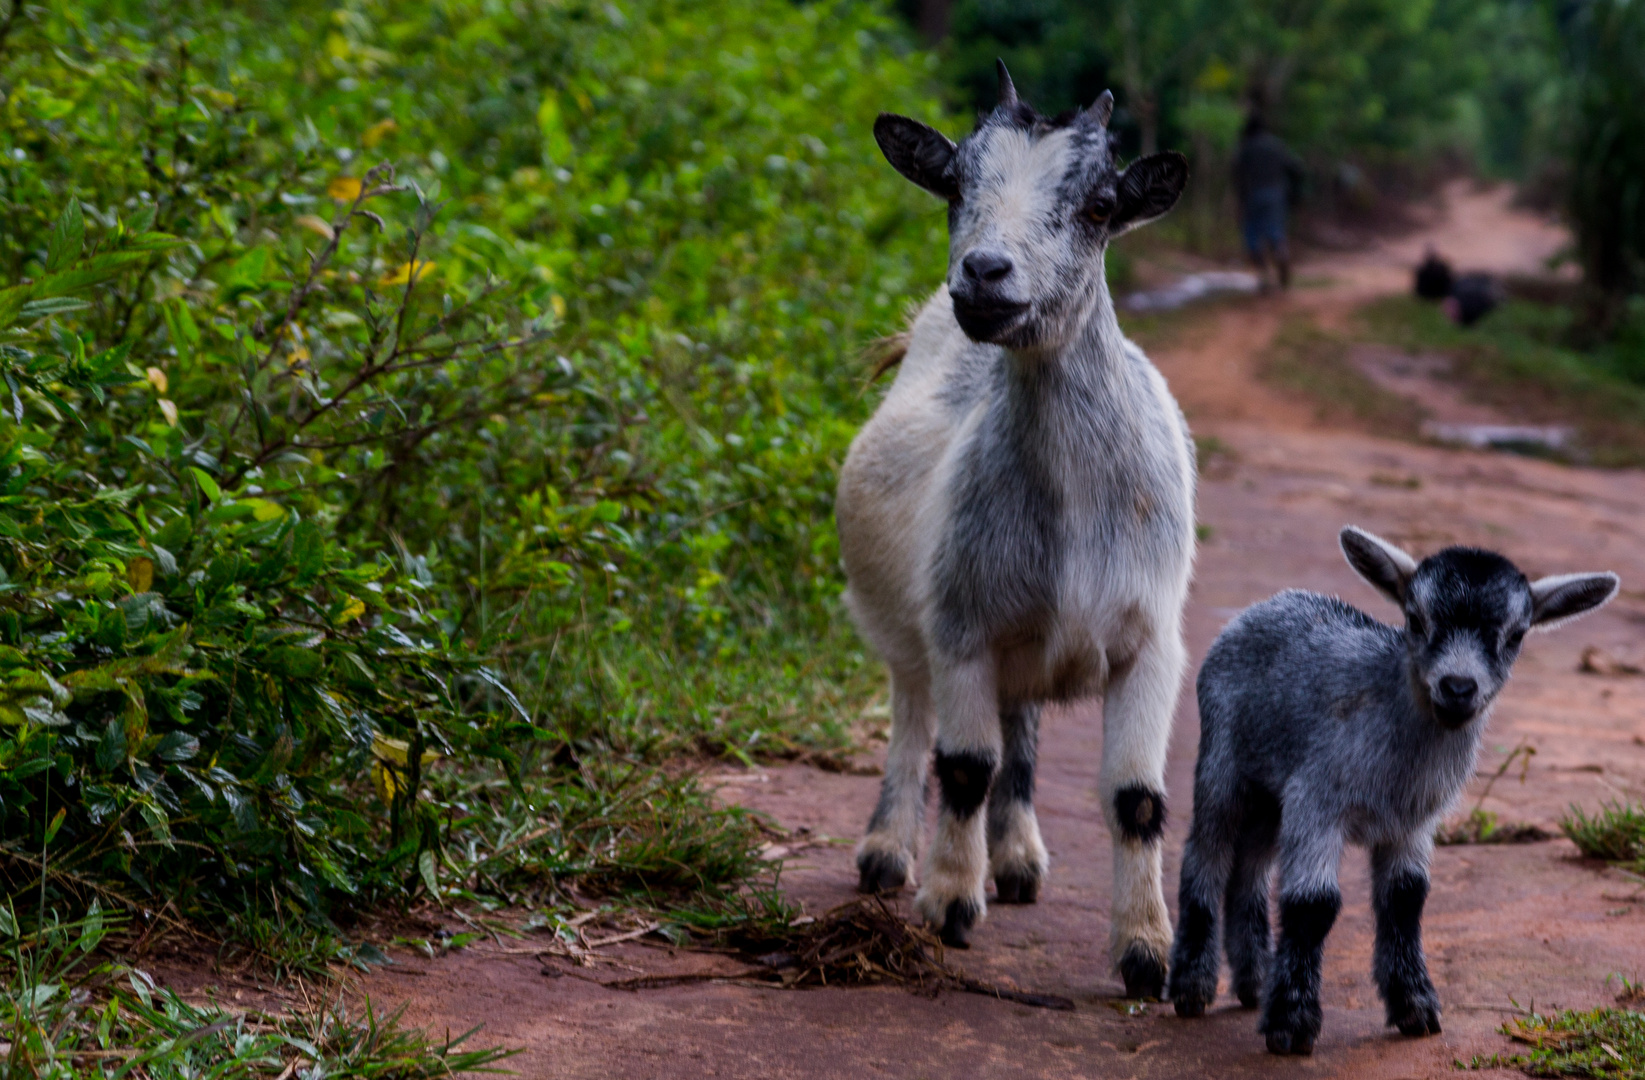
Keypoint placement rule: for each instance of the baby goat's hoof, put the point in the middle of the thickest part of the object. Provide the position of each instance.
(957, 923)
(879, 871)
(1420, 1020)
(1249, 997)
(1017, 887)
(1297, 1043)
(1143, 972)
(1189, 1008)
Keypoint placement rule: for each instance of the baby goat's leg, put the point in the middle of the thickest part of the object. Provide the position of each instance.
(1016, 854)
(1308, 905)
(1206, 861)
(1399, 886)
(1247, 934)
(885, 858)
(1136, 731)
(968, 754)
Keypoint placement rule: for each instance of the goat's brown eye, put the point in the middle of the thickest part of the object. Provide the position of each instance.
(1099, 212)
(1515, 638)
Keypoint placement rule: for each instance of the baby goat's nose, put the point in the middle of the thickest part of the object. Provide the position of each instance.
(1458, 687)
(988, 266)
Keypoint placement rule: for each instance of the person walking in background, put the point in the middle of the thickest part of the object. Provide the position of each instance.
(1266, 178)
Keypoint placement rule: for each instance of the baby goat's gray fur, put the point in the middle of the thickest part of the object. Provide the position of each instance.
(1319, 725)
(1017, 522)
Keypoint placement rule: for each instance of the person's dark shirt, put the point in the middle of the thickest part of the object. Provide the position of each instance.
(1263, 161)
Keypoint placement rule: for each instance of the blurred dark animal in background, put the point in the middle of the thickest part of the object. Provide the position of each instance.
(1473, 296)
(1467, 298)
(1433, 277)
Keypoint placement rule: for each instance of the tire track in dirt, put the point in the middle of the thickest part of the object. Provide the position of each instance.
(1530, 922)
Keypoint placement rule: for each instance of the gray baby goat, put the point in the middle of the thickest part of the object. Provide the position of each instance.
(1319, 724)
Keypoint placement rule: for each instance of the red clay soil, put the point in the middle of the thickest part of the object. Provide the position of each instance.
(1506, 923)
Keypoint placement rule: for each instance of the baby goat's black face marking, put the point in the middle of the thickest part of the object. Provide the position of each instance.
(1466, 614)
(1032, 203)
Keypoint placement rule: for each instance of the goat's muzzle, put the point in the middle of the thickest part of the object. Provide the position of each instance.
(989, 319)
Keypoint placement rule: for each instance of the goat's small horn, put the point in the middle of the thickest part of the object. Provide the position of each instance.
(1008, 89)
(1102, 108)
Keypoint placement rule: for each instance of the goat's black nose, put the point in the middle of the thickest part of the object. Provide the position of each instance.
(989, 266)
(1458, 687)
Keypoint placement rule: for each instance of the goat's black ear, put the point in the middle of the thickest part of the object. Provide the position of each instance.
(1563, 597)
(1385, 568)
(918, 151)
(1147, 189)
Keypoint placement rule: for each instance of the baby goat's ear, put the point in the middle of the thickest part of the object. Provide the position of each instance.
(1563, 597)
(1384, 567)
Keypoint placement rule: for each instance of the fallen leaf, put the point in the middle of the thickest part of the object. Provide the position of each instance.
(1596, 661)
(315, 223)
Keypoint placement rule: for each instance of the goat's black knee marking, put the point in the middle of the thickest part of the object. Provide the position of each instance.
(964, 778)
(1305, 920)
(1140, 812)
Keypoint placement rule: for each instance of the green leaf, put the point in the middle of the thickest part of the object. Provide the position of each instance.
(208, 486)
(35, 309)
(67, 238)
(178, 746)
(427, 866)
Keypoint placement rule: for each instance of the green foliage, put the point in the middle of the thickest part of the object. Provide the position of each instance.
(1615, 833)
(1607, 191)
(1605, 1044)
(422, 417)
(65, 1012)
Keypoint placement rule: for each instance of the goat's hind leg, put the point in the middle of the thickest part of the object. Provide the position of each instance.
(1016, 854)
(885, 858)
(1206, 860)
(1399, 888)
(1247, 931)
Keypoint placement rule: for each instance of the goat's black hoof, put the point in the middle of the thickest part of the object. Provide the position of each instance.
(1248, 998)
(1189, 1008)
(1421, 1020)
(1017, 887)
(1293, 1043)
(1143, 972)
(878, 872)
(957, 923)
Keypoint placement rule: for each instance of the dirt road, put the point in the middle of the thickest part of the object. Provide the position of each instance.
(1526, 923)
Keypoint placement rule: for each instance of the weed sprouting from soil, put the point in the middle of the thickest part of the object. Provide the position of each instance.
(1616, 832)
(1606, 1043)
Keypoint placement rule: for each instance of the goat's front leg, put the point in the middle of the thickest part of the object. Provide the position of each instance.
(1308, 904)
(1136, 732)
(968, 754)
(1016, 854)
(1399, 887)
(885, 858)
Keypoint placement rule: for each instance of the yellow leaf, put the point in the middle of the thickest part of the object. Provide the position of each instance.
(263, 509)
(169, 410)
(351, 611)
(314, 223)
(298, 355)
(406, 272)
(140, 573)
(378, 131)
(158, 378)
(345, 189)
(557, 302)
(386, 780)
(397, 751)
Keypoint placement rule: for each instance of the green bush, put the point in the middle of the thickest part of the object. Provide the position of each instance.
(417, 411)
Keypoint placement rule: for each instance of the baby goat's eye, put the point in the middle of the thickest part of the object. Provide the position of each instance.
(1513, 640)
(1416, 624)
